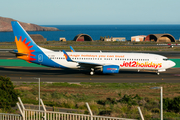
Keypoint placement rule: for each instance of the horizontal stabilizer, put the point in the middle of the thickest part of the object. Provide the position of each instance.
(17, 54)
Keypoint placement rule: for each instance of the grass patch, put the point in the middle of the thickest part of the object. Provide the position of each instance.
(33, 83)
(65, 84)
(121, 85)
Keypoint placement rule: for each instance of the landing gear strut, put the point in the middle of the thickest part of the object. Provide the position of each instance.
(92, 71)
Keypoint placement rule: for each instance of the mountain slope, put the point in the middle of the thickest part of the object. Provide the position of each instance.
(5, 26)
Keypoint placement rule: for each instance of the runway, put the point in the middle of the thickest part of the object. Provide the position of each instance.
(68, 75)
(27, 74)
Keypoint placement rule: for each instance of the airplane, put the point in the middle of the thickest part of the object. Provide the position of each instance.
(107, 62)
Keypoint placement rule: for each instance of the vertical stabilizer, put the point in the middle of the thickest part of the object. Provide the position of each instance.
(24, 42)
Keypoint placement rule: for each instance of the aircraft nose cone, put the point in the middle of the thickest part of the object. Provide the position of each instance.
(173, 63)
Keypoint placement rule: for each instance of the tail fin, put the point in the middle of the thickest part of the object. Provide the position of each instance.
(24, 42)
(72, 50)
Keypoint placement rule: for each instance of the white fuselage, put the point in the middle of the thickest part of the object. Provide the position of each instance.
(122, 59)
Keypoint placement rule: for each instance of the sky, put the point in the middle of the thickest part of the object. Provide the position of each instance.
(92, 12)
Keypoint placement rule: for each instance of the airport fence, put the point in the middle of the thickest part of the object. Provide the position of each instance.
(50, 115)
(6, 116)
(29, 114)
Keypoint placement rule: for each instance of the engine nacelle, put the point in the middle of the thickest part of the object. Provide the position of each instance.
(110, 69)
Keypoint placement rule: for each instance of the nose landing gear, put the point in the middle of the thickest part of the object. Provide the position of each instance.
(92, 71)
(157, 72)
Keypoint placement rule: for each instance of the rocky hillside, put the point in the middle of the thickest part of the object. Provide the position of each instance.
(5, 26)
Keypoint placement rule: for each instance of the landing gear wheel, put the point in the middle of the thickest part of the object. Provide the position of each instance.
(158, 73)
(91, 73)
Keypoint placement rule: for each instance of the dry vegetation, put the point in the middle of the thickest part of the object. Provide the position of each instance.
(110, 99)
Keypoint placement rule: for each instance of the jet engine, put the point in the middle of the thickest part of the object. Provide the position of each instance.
(110, 69)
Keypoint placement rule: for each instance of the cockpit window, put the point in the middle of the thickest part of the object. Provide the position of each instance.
(165, 59)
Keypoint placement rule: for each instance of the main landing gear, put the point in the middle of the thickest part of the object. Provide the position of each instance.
(92, 71)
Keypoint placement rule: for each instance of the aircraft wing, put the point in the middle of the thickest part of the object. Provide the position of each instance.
(88, 64)
(91, 64)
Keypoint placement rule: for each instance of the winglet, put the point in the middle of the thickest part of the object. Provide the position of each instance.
(67, 56)
(72, 50)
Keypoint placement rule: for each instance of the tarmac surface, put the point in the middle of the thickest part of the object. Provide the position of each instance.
(27, 74)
